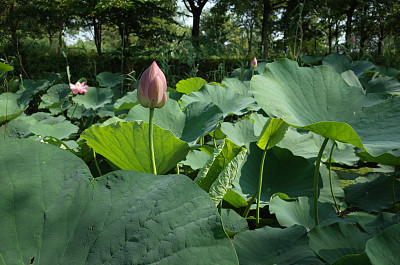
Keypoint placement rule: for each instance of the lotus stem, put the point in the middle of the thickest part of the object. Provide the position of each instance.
(330, 179)
(316, 176)
(151, 144)
(393, 189)
(73, 112)
(260, 178)
(95, 162)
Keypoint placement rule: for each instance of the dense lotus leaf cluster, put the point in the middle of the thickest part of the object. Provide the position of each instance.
(236, 164)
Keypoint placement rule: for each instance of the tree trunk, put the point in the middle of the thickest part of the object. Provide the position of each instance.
(265, 28)
(196, 23)
(60, 41)
(250, 43)
(330, 36)
(97, 34)
(349, 20)
(380, 38)
(337, 36)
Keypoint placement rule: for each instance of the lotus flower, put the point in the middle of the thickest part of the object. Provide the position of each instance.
(152, 91)
(253, 62)
(78, 88)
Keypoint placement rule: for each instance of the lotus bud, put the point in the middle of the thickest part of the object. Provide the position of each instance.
(352, 40)
(152, 91)
(253, 62)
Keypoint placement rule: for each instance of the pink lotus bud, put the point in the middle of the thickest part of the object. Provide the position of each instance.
(253, 62)
(352, 40)
(152, 91)
(78, 88)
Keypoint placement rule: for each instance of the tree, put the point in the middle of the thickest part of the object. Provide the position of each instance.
(195, 7)
(269, 6)
(248, 13)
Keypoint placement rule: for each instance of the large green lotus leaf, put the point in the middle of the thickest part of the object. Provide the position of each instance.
(94, 98)
(391, 158)
(353, 259)
(54, 212)
(319, 100)
(372, 193)
(61, 108)
(230, 101)
(107, 79)
(18, 128)
(5, 68)
(300, 211)
(126, 144)
(325, 194)
(241, 132)
(342, 63)
(269, 246)
(235, 199)
(198, 119)
(126, 102)
(219, 172)
(196, 159)
(31, 88)
(334, 241)
(273, 132)
(233, 222)
(383, 84)
(259, 121)
(307, 145)
(311, 60)
(10, 107)
(384, 248)
(379, 223)
(240, 87)
(190, 85)
(283, 172)
(387, 71)
(351, 79)
(55, 96)
(60, 130)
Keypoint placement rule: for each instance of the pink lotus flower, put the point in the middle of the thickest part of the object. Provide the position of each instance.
(253, 62)
(152, 90)
(78, 88)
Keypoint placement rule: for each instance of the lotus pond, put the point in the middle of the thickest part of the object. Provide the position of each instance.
(280, 164)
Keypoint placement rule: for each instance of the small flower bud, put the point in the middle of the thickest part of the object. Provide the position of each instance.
(152, 91)
(253, 62)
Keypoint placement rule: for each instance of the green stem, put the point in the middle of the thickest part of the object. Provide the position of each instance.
(95, 162)
(393, 189)
(316, 176)
(73, 112)
(247, 210)
(151, 144)
(252, 71)
(214, 141)
(330, 179)
(260, 178)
